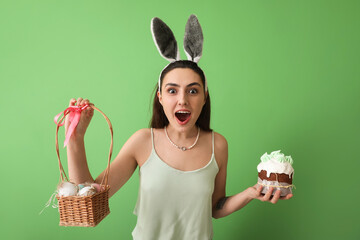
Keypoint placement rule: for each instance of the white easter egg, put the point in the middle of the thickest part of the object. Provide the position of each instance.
(67, 189)
(87, 191)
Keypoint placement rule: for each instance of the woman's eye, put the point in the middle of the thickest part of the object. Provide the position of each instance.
(193, 91)
(171, 90)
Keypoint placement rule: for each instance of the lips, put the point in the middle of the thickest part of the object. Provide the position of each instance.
(182, 116)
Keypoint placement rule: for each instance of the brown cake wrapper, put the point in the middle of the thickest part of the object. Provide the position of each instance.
(284, 187)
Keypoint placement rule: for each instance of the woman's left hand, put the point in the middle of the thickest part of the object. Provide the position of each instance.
(255, 193)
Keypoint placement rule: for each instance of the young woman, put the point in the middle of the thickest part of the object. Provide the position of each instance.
(182, 162)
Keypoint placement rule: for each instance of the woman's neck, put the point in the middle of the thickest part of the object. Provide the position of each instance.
(182, 135)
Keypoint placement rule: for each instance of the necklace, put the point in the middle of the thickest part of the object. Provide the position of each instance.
(183, 148)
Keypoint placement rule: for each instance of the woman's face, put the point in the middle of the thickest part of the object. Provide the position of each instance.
(182, 97)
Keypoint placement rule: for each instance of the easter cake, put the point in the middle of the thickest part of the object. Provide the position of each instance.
(275, 170)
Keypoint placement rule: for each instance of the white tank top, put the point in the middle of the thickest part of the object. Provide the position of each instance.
(174, 204)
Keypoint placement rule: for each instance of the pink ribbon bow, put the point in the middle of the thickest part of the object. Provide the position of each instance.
(74, 117)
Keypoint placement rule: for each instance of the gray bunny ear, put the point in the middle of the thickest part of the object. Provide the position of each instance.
(193, 39)
(164, 40)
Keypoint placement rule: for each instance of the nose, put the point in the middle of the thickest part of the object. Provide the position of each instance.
(182, 100)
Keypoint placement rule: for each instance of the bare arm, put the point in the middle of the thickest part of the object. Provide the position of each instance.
(228, 205)
(77, 164)
(125, 163)
(221, 156)
(121, 168)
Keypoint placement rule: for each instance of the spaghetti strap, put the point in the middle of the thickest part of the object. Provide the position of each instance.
(152, 138)
(213, 144)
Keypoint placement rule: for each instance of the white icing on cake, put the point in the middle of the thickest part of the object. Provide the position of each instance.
(276, 162)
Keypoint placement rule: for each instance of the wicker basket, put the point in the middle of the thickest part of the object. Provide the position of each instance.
(84, 211)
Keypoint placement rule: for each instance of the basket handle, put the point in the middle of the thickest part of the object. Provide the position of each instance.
(62, 172)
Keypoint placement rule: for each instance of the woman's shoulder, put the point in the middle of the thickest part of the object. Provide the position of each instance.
(142, 132)
(139, 145)
(220, 141)
(221, 149)
(141, 135)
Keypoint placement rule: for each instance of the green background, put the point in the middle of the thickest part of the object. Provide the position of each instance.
(281, 74)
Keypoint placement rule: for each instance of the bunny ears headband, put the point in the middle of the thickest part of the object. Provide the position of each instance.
(166, 43)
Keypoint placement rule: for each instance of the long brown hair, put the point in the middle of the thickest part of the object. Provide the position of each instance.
(159, 119)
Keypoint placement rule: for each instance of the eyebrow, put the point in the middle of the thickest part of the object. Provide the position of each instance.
(176, 85)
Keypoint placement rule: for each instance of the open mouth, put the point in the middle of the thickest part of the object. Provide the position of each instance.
(183, 116)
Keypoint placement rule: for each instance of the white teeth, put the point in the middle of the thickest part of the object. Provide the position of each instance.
(182, 112)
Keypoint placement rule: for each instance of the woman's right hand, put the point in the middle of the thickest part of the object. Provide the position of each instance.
(85, 117)
(255, 193)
